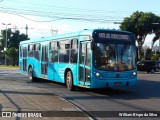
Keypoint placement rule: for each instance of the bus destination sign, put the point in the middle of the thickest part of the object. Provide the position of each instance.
(113, 36)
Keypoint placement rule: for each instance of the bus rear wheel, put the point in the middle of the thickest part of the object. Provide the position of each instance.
(30, 73)
(69, 81)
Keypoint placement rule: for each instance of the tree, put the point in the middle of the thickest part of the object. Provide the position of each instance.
(2, 54)
(12, 55)
(13, 46)
(149, 54)
(14, 38)
(156, 56)
(140, 24)
(156, 30)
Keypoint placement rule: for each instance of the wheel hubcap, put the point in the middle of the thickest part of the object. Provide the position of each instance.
(30, 74)
(68, 80)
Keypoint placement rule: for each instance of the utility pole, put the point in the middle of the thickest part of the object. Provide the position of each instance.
(26, 29)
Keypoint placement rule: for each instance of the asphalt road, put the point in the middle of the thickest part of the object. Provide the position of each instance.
(19, 94)
(32, 100)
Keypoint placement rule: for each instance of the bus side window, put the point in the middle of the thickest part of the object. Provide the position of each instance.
(30, 50)
(37, 51)
(82, 53)
(53, 54)
(74, 49)
(64, 51)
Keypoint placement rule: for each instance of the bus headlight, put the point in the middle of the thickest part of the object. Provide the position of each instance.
(134, 74)
(98, 75)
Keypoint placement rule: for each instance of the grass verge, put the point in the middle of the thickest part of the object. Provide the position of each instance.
(8, 66)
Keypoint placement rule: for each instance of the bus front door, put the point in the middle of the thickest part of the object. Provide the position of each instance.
(84, 64)
(44, 61)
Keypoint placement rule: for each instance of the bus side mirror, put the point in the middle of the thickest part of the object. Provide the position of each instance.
(92, 45)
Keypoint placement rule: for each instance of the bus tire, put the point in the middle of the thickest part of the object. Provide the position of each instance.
(69, 81)
(30, 73)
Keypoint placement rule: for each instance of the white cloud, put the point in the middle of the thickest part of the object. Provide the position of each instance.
(148, 40)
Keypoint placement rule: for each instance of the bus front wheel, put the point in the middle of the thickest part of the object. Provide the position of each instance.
(69, 81)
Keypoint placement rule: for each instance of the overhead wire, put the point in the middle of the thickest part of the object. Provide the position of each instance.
(49, 14)
(77, 9)
(67, 8)
(72, 12)
(68, 13)
(52, 12)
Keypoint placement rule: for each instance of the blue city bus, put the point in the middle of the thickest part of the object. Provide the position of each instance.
(96, 58)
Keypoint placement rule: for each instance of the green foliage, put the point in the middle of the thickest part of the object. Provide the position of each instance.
(1, 55)
(156, 56)
(149, 54)
(141, 24)
(12, 54)
(14, 38)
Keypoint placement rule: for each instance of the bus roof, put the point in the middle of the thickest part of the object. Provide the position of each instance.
(84, 32)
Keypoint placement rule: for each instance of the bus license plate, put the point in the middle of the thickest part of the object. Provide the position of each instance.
(117, 83)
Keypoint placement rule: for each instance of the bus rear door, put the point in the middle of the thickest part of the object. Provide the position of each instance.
(84, 64)
(44, 61)
(24, 60)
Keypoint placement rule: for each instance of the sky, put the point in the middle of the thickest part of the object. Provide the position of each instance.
(48, 17)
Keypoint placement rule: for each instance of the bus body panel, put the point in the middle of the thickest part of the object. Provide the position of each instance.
(113, 79)
(36, 65)
(113, 83)
(56, 72)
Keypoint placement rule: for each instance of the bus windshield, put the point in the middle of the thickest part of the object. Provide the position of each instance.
(114, 57)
